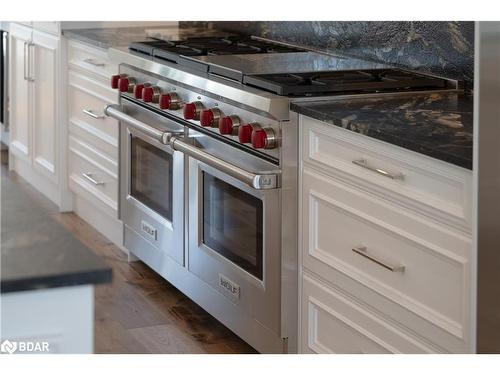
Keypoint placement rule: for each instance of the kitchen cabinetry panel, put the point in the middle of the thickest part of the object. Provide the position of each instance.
(45, 65)
(333, 322)
(90, 60)
(399, 247)
(431, 186)
(19, 92)
(432, 279)
(93, 139)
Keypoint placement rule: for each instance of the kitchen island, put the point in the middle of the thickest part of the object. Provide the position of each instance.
(47, 276)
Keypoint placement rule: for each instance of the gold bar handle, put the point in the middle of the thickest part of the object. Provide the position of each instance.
(363, 251)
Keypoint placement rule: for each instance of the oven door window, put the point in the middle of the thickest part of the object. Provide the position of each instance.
(151, 177)
(232, 224)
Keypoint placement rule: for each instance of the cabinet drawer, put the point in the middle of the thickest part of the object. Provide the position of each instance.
(53, 27)
(86, 105)
(93, 60)
(332, 322)
(93, 175)
(347, 231)
(428, 185)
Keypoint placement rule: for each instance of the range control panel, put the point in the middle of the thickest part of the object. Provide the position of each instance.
(239, 125)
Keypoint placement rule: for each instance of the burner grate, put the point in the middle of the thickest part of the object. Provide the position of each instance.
(230, 45)
(305, 84)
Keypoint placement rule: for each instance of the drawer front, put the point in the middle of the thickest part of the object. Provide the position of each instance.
(52, 27)
(345, 231)
(86, 106)
(93, 175)
(436, 188)
(333, 322)
(89, 59)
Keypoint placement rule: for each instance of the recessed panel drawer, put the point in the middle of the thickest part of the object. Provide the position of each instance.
(438, 189)
(86, 104)
(393, 252)
(332, 322)
(90, 59)
(93, 175)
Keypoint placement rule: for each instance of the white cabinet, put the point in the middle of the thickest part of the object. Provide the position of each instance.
(386, 263)
(36, 102)
(45, 103)
(93, 139)
(19, 92)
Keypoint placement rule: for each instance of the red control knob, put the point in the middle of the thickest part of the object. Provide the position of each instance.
(206, 117)
(165, 101)
(126, 84)
(263, 138)
(229, 125)
(192, 110)
(115, 80)
(210, 117)
(151, 94)
(245, 132)
(147, 94)
(169, 101)
(138, 91)
(123, 84)
(259, 138)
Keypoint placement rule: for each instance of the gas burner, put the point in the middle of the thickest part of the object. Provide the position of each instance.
(237, 49)
(203, 46)
(317, 83)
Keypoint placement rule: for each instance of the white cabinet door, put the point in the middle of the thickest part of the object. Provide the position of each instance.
(19, 92)
(45, 103)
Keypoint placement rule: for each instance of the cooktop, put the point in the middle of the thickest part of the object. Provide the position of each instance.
(174, 50)
(311, 83)
(282, 69)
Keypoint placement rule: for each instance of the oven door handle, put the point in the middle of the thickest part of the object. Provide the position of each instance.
(259, 181)
(113, 110)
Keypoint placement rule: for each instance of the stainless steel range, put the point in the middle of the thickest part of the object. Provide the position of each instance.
(208, 168)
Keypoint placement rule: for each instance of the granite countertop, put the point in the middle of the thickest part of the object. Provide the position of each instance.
(439, 125)
(36, 251)
(122, 36)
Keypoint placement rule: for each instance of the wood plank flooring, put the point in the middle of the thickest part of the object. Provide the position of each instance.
(140, 312)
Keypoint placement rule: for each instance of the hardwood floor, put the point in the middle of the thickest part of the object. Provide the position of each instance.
(140, 312)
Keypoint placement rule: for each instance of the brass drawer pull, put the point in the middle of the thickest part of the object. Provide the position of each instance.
(364, 164)
(363, 251)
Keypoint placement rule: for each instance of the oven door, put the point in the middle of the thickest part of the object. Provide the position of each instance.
(151, 182)
(235, 239)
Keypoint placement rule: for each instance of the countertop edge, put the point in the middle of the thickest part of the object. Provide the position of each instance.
(94, 277)
(432, 153)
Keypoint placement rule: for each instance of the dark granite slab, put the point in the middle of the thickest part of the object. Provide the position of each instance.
(122, 36)
(438, 125)
(36, 251)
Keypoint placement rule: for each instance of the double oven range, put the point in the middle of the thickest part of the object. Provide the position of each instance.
(208, 168)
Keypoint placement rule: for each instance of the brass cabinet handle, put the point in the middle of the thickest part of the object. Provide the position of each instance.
(364, 164)
(363, 251)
